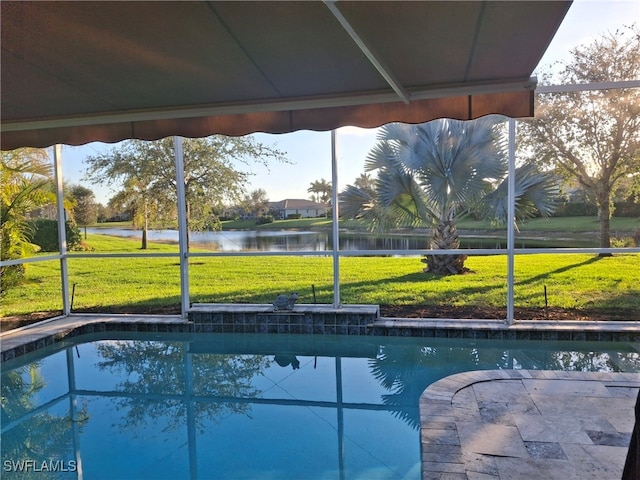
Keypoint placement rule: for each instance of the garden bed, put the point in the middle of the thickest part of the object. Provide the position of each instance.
(390, 311)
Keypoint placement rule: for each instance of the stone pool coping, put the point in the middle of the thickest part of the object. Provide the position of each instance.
(527, 424)
(347, 320)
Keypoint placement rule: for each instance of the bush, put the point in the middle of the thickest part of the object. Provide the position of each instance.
(264, 219)
(294, 216)
(45, 235)
(627, 209)
(10, 276)
(625, 242)
(575, 209)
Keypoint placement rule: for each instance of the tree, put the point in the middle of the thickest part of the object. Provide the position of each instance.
(85, 208)
(320, 191)
(26, 176)
(365, 182)
(255, 203)
(593, 136)
(434, 173)
(146, 173)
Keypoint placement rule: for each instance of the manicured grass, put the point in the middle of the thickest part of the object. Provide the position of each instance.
(297, 224)
(577, 224)
(144, 284)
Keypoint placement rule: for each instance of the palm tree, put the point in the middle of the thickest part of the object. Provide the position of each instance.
(320, 191)
(25, 175)
(435, 173)
(366, 182)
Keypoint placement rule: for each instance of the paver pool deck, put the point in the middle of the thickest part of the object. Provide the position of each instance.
(482, 425)
(527, 424)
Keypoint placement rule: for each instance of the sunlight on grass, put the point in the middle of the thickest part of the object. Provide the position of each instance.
(578, 281)
(145, 284)
(260, 279)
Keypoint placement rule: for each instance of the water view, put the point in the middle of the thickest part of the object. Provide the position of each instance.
(290, 240)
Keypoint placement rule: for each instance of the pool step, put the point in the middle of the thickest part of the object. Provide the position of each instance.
(263, 318)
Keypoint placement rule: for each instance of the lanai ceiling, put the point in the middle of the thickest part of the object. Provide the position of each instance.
(74, 72)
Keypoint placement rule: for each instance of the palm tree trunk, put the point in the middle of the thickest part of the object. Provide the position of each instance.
(445, 237)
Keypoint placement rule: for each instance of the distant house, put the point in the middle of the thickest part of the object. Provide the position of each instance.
(294, 206)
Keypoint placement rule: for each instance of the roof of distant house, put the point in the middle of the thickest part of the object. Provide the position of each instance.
(291, 203)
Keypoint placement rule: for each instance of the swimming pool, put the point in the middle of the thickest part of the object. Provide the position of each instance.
(236, 406)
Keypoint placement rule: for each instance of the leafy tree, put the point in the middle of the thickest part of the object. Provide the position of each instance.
(593, 137)
(105, 213)
(437, 172)
(255, 202)
(146, 173)
(320, 191)
(25, 175)
(85, 208)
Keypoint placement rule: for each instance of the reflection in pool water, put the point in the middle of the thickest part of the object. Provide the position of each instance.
(246, 406)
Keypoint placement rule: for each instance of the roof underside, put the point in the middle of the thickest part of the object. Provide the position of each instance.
(74, 72)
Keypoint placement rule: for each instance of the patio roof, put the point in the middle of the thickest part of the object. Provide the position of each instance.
(75, 72)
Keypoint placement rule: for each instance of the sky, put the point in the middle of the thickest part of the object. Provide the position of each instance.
(309, 153)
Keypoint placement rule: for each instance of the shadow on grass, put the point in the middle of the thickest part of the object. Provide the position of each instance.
(566, 268)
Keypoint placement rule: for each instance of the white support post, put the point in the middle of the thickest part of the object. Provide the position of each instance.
(511, 218)
(334, 217)
(62, 233)
(182, 227)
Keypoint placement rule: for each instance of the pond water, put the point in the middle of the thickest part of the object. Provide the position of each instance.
(235, 406)
(290, 240)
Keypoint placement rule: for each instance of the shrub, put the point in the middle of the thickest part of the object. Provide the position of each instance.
(294, 216)
(575, 209)
(264, 219)
(627, 209)
(625, 242)
(46, 235)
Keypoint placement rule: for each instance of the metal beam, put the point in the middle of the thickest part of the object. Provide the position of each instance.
(588, 86)
(511, 218)
(274, 105)
(373, 59)
(182, 227)
(62, 232)
(335, 219)
(303, 103)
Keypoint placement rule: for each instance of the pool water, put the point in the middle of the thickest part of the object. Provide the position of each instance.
(229, 406)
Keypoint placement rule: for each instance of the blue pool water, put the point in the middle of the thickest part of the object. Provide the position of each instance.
(174, 406)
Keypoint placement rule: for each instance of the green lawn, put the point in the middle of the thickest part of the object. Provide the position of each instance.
(147, 284)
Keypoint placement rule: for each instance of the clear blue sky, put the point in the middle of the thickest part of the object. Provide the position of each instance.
(310, 152)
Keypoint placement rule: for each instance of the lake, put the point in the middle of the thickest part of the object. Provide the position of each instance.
(307, 241)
